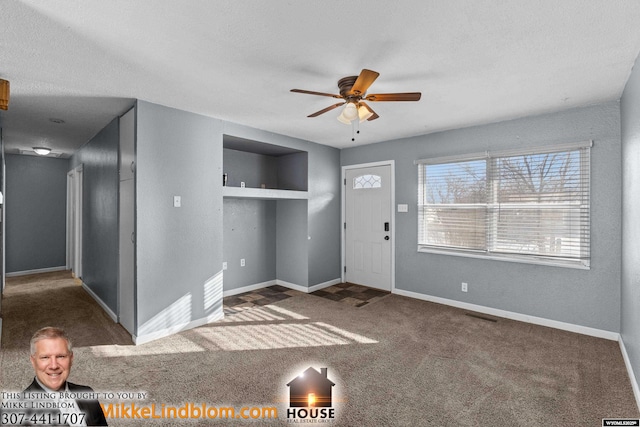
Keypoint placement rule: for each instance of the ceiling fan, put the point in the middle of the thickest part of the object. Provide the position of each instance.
(353, 91)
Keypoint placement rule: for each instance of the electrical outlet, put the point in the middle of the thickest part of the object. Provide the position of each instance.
(224, 265)
(242, 262)
(464, 287)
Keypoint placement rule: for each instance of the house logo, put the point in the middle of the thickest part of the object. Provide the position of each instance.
(311, 396)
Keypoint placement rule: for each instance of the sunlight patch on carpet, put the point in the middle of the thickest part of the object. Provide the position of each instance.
(286, 312)
(260, 314)
(172, 345)
(275, 336)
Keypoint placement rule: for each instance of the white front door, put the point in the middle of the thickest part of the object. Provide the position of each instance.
(368, 226)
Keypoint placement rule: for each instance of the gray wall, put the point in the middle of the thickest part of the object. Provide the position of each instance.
(249, 233)
(250, 168)
(178, 250)
(271, 235)
(292, 251)
(630, 118)
(324, 215)
(99, 158)
(35, 202)
(583, 297)
(293, 172)
(314, 243)
(285, 172)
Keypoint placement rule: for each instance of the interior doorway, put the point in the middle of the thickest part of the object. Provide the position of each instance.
(74, 221)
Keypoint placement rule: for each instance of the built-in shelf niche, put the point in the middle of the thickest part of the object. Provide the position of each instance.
(261, 166)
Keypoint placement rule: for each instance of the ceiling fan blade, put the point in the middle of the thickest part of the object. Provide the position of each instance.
(408, 96)
(364, 80)
(317, 113)
(310, 92)
(373, 113)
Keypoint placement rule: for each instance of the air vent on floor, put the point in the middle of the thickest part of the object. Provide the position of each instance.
(479, 316)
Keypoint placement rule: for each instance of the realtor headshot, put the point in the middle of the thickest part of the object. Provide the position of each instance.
(52, 398)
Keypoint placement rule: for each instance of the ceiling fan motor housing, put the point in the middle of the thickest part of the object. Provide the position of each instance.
(345, 84)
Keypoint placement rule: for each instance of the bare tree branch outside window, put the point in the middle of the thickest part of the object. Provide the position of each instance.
(534, 204)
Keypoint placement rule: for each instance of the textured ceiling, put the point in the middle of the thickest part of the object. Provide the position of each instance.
(475, 61)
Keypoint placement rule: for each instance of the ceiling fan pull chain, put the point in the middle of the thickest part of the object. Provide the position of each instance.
(353, 129)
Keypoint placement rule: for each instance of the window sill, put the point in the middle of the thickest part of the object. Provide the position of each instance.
(578, 265)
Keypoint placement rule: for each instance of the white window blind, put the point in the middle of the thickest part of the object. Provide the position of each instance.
(530, 205)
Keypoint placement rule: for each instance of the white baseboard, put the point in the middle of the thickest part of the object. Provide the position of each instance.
(289, 285)
(101, 303)
(248, 288)
(598, 333)
(292, 286)
(162, 333)
(36, 271)
(632, 377)
(323, 285)
(308, 290)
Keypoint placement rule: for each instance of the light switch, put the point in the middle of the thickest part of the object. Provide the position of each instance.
(403, 208)
(177, 201)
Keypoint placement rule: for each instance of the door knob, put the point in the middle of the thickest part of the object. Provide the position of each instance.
(386, 237)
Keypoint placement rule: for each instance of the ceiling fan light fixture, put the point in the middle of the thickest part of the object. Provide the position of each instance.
(364, 113)
(42, 151)
(350, 111)
(342, 119)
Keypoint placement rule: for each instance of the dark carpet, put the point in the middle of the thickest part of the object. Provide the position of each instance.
(395, 362)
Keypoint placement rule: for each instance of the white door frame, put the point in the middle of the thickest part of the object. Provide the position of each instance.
(392, 164)
(74, 220)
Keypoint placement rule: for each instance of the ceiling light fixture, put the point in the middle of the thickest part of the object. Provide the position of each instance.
(342, 119)
(43, 151)
(351, 112)
(364, 113)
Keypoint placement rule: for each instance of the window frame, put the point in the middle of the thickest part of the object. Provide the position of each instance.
(491, 225)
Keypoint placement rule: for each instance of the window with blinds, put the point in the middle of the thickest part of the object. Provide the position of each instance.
(522, 206)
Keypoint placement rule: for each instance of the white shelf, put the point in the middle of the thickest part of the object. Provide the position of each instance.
(263, 193)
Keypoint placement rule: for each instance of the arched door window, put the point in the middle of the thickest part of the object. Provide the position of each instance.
(367, 181)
